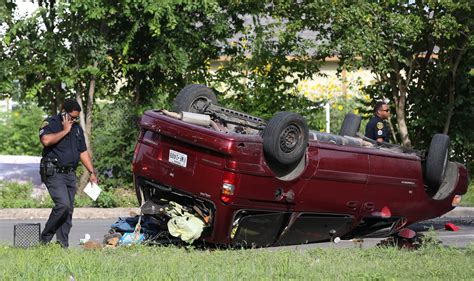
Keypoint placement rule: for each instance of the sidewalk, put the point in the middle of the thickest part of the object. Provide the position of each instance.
(103, 213)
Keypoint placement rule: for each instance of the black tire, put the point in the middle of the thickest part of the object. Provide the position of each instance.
(350, 125)
(285, 138)
(437, 161)
(194, 98)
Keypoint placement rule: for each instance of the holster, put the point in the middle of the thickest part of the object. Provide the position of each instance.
(47, 168)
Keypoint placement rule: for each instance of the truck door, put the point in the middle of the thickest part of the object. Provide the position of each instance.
(392, 185)
(339, 183)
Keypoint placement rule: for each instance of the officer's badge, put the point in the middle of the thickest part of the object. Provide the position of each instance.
(45, 123)
(379, 132)
(379, 125)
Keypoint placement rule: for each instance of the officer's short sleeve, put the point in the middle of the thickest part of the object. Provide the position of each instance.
(49, 126)
(369, 131)
(82, 142)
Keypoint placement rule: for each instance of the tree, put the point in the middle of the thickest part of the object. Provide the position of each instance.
(403, 42)
(264, 62)
(54, 54)
(19, 131)
(6, 85)
(81, 48)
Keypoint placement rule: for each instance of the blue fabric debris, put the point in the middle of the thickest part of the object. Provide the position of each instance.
(149, 226)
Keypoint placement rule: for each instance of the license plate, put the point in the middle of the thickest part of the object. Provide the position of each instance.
(178, 158)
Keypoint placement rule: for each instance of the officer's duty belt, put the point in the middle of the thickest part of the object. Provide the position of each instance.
(64, 170)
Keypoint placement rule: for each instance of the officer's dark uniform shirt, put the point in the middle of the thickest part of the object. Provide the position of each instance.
(69, 148)
(377, 128)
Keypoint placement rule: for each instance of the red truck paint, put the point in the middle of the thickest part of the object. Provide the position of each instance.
(343, 191)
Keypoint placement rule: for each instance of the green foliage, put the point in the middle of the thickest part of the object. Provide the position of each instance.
(53, 263)
(19, 195)
(430, 240)
(269, 49)
(266, 81)
(167, 46)
(15, 195)
(468, 198)
(432, 101)
(113, 139)
(53, 54)
(19, 131)
(412, 47)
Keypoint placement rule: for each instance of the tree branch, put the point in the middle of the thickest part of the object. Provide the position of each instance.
(452, 85)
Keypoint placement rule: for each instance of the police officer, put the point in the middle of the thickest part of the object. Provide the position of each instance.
(64, 146)
(377, 129)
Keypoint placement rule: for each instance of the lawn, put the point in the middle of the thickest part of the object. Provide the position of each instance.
(431, 262)
(468, 198)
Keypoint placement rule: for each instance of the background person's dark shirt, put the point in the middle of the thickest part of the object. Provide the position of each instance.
(69, 148)
(377, 128)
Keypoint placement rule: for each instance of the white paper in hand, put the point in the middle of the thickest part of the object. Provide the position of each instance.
(93, 190)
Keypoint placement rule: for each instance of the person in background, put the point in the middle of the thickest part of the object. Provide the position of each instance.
(377, 127)
(63, 147)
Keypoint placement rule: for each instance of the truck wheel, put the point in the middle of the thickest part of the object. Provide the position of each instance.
(194, 98)
(437, 161)
(285, 138)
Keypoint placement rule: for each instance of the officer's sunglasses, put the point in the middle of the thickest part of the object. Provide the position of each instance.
(74, 119)
(386, 110)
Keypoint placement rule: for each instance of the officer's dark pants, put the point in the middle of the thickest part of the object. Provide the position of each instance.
(62, 188)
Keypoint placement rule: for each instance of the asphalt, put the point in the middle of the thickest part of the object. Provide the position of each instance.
(110, 213)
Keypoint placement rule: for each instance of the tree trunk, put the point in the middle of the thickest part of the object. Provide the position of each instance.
(452, 87)
(136, 90)
(392, 129)
(90, 104)
(402, 127)
(450, 107)
(400, 94)
(86, 123)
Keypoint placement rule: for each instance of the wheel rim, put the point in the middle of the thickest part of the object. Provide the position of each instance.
(198, 104)
(289, 138)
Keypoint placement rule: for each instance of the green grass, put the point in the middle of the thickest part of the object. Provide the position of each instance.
(468, 198)
(173, 263)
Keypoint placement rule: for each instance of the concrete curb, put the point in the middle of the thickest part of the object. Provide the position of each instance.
(79, 213)
(113, 213)
(460, 212)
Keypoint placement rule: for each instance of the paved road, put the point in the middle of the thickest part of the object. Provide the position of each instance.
(22, 169)
(462, 238)
(98, 227)
(20, 172)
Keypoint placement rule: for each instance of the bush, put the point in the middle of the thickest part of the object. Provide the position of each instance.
(19, 131)
(113, 140)
(14, 195)
(18, 195)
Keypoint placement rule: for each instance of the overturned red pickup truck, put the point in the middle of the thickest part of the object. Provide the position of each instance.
(254, 182)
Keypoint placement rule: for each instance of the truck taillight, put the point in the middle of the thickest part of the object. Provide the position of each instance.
(228, 187)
